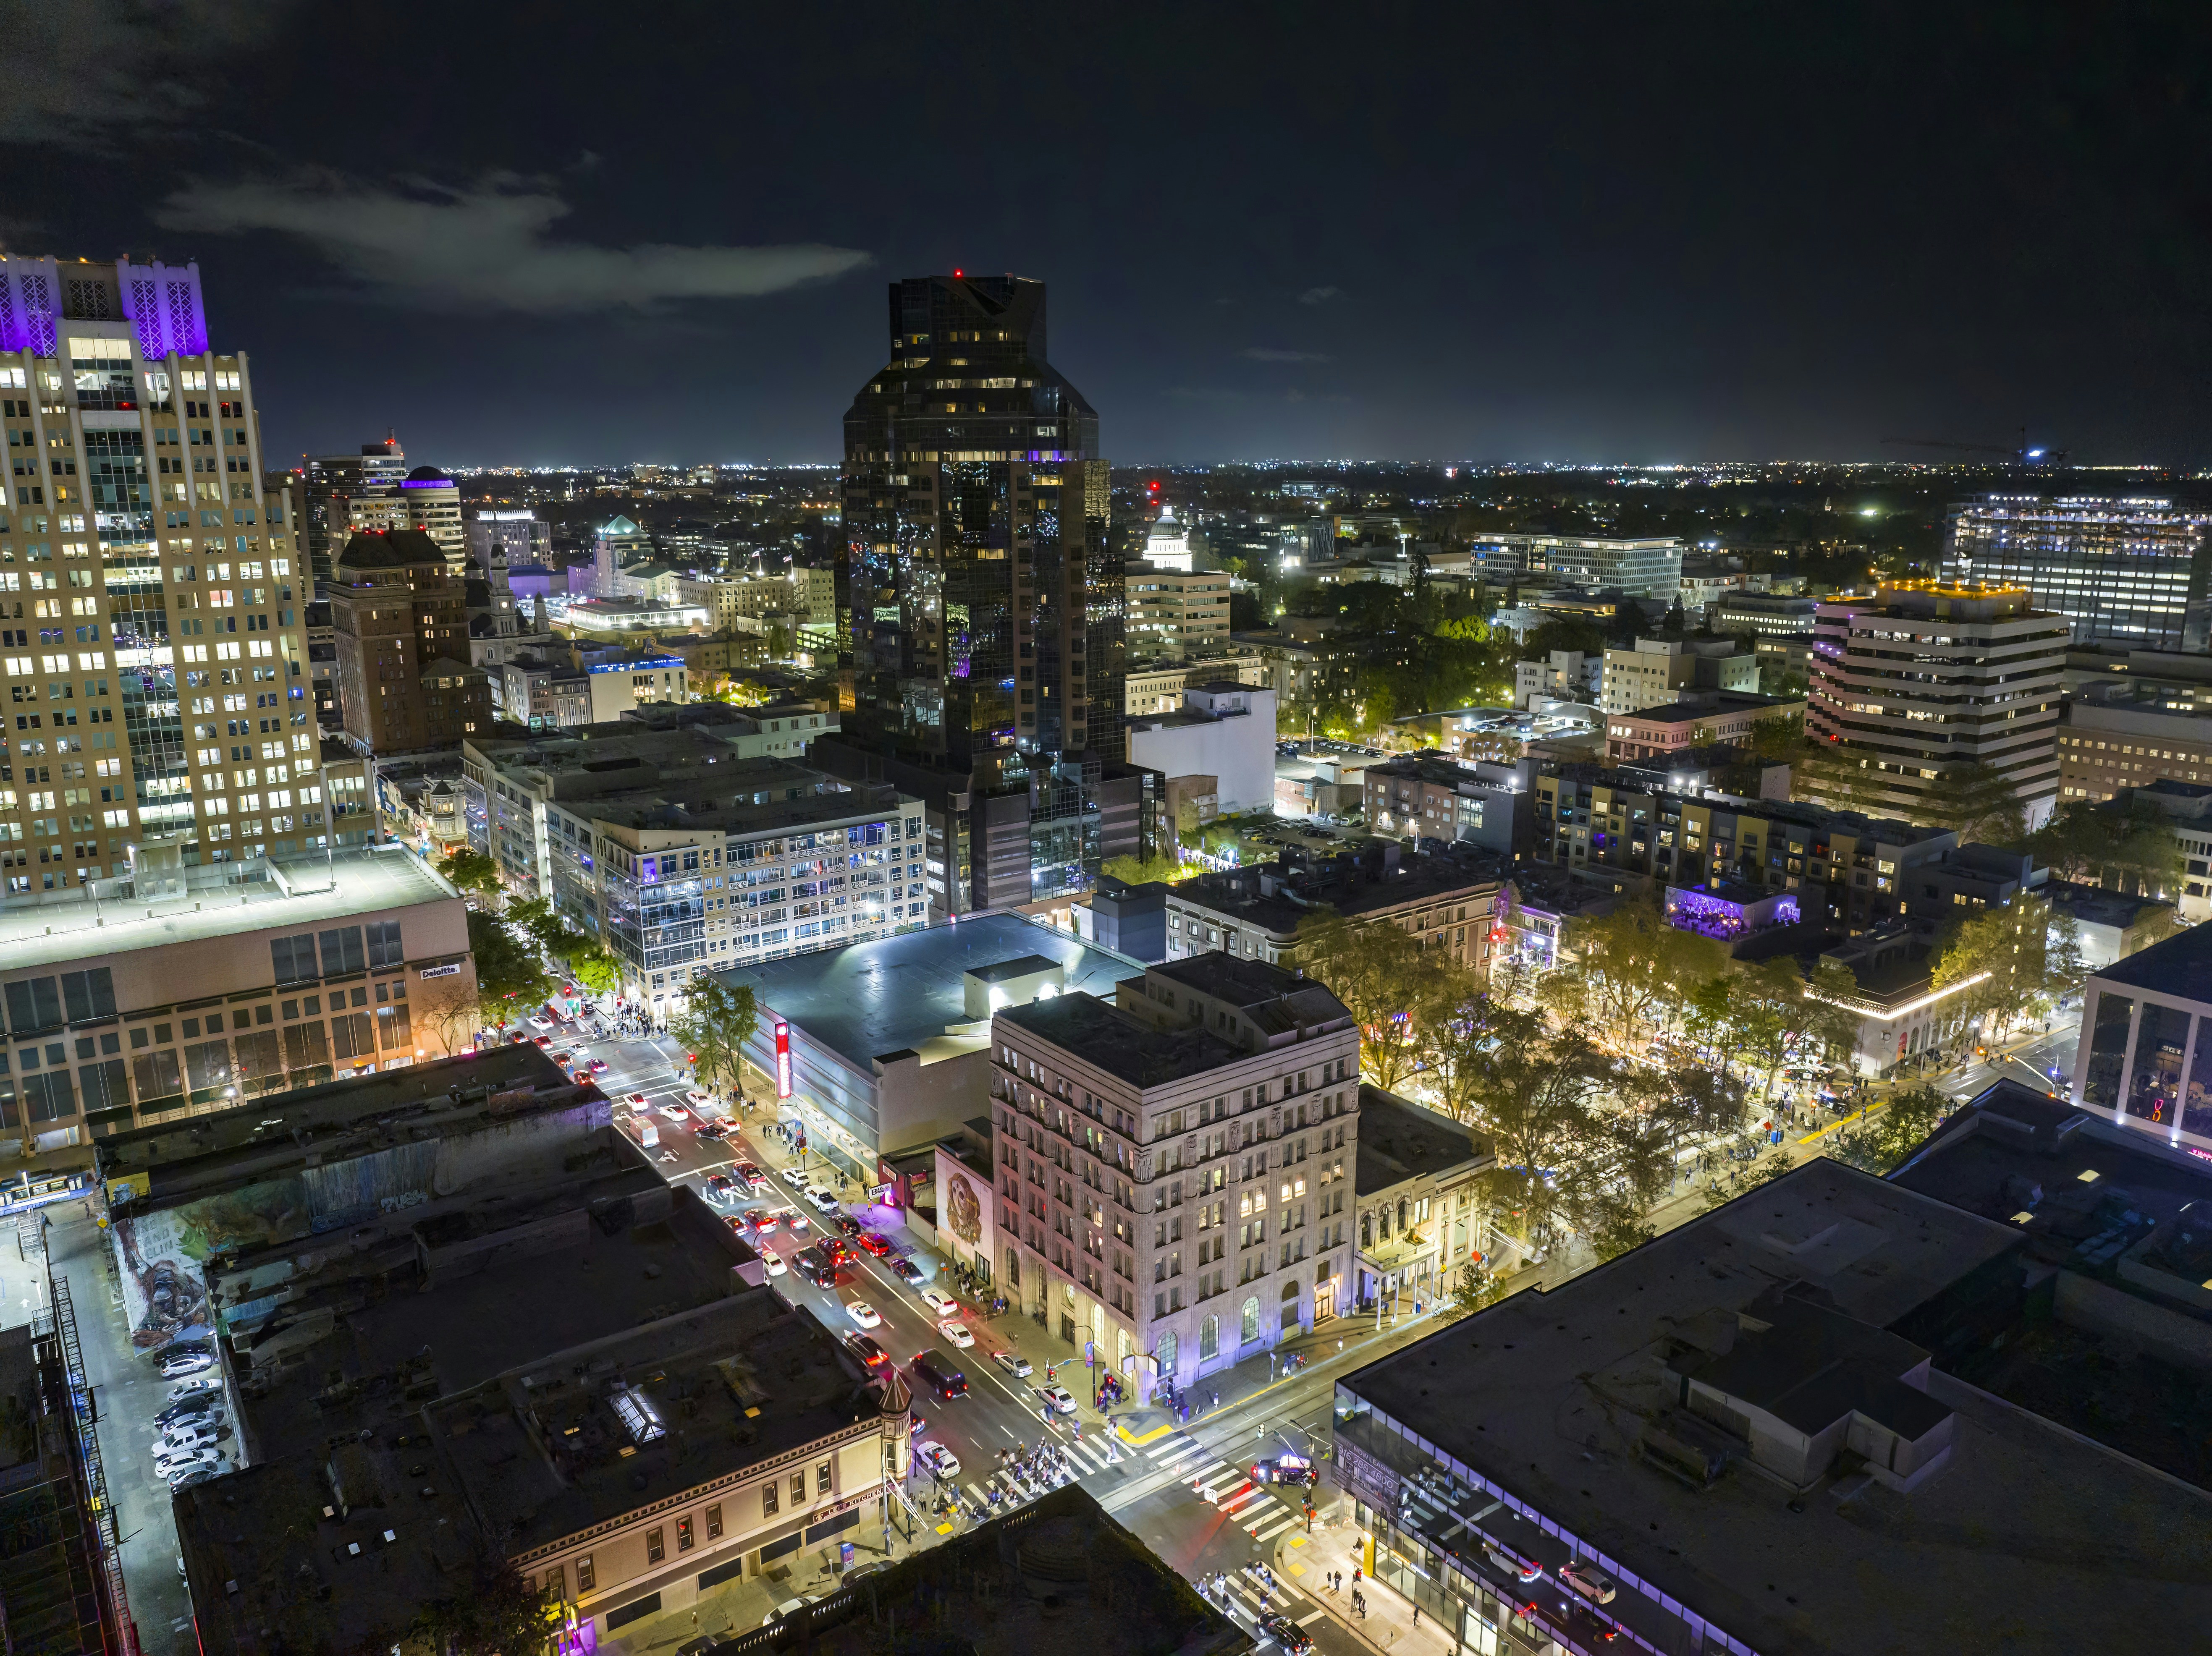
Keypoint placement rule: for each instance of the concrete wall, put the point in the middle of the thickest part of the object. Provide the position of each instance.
(2084, 1302)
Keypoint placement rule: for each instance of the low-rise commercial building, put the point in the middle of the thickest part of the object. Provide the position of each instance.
(1699, 720)
(2145, 1057)
(884, 1046)
(602, 618)
(176, 994)
(1173, 1164)
(1159, 686)
(1565, 676)
(1224, 731)
(1649, 673)
(1422, 1218)
(1445, 901)
(1797, 1396)
(1779, 625)
(2114, 741)
(1426, 796)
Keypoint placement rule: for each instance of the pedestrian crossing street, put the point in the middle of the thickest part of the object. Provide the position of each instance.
(1228, 1489)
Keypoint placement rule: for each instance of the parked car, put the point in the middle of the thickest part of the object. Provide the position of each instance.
(940, 1302)
(200, 1386)
(844, 1224)
(937, 1460)
(175, 1365)
(875, 1244)
(795, 1176)
(1014, 1363)
(786, 1607)
(204, 1406)
(191, 1475)
(957, 1331)
(1580, 1575)
(1056, 1399)
(169, 1463)
(907, 1270)
(824, 1201)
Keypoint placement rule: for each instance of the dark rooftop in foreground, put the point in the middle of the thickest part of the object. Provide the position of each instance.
(1646, 1408)
(897, 993)
(1400, 1140)
(2180, 965)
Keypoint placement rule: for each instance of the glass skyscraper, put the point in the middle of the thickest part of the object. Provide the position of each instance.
(980, 616)
(2131, 570)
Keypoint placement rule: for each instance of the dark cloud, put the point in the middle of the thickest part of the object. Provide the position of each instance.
(1319, 295)
(74, 69)
(486, 246)
(1270, 354)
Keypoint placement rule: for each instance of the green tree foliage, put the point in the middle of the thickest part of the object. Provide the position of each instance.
(1880, 1140)
(511, 979)
(1782, 738)
(2023, 960)
(470, 870)
(1542, 1102)
(1473, 1288)
(1563, 633)
(1456, 1025)
(1627, 971)
(1979, 803)
(596, 968)
(717, 1020)
(2123, 846)
(1767, 1012)
(500, 1615)
(1381, 975)
(1841, 777)
(1140, 871)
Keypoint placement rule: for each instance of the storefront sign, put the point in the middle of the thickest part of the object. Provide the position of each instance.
(442, 971)
(782, 1059)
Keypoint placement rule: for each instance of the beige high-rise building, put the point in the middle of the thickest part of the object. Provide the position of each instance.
(425, 499)
(151, 595)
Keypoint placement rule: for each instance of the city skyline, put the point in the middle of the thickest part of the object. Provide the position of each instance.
(1639, 243)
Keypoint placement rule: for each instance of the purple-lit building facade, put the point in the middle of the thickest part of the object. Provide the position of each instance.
(1729, 911)
(161, 302)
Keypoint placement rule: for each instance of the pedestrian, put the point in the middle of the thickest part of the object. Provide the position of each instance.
(1217, 1396)
(1416, 1616)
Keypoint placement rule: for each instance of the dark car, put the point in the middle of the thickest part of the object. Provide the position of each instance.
(908, 1269)
(1286, 1633)
(875, 1245)
(938, 1372)
(846, 1225)
(209, 1407)
(1588, 1626)
(836, 1252)
(720, 1187)
(1294, 1470)
(866, 1351)
(809, 1263)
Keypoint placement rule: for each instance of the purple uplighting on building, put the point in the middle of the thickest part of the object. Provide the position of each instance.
(1723, 919)
(161, 302)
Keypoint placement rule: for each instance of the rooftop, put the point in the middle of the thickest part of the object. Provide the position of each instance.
(102, 919)
(1571, 1404)
(1126, 1047)
(904, 993)
(1276, 896)
(2181, 966)
(2092, 904)
(1400, 1140)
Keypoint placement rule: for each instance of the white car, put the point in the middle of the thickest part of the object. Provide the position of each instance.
(675, 1113)
(937, 1460)
(956, 1331)
(1593, 1583)
(169, 1465)
(794, 1176)
(863, 1313)
(824, 1201)
(941, 1304)
(544, 1026)
(775, 1266)
(198, 1385)
(194, 1433)
(1057, 1398)
(175, 1365)
(698, 1099)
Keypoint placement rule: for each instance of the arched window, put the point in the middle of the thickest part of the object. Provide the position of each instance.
(1366, 1230)
(1401, 1213)
(1209, 1339)
(1165, 1351)
(1251, 1329)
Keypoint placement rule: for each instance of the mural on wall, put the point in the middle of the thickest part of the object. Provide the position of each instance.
(160, 1252)
(963, 1214)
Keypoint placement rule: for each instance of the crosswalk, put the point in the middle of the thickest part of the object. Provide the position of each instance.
(1086, 1456)
(1223, 1486)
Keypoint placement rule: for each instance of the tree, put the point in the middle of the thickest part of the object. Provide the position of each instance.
(2004, 959)
(1538, 1100)
(1628, 971)
(1841, 777)
(1455, 1029)
(1878, 1141)
(1381, 975)
(717, 1020)
(1782, 738)
(511, 977)
(470, 870)
(2128, 847)
(1773, 1014)
(1979, 803)
(596, 968)
(1475, 1286)
(1140, 871)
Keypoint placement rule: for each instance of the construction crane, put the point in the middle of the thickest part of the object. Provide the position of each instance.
(2022, 455)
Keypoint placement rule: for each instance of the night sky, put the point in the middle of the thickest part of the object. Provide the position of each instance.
(564, 234)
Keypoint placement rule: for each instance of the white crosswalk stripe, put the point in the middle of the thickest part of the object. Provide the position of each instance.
(981, 1498)
(1234, 1502)
(1278, 1526)
(1175, 1450)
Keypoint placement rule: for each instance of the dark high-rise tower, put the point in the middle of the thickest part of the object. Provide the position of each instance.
(980, 614)
(974, 531)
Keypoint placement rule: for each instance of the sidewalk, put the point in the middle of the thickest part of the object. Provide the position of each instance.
(1393, 1624)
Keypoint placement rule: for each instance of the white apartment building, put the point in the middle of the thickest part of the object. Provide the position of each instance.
(1176, 612)
(152, 635)
(1649, 674)
(1159, 688)
(1568, 675)
(1173, 1166)
(1921, 680)
(1226, 731)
